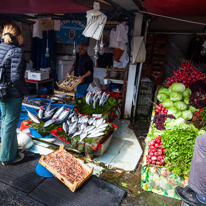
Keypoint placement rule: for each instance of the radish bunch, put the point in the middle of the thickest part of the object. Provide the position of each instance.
(160, 109)
(186, 74)
(156, 154)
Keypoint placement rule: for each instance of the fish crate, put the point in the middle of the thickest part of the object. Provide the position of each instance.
(69, 88)
(71, 94)
(76, 185)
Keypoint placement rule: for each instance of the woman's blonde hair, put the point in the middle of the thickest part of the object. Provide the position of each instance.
(10, 31)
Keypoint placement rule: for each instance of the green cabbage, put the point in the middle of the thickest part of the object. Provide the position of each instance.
(172, 110)
(201, 132)
(170, 89)
(187, 92)
(163, 90)
(178, 87)
(178, 114)
(193, 109)
(161, 97)
(186, 100)
(167, 103)
(187, 115)
(175, 96)
(180, 105)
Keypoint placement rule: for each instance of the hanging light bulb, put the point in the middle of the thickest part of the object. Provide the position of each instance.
(101, 45)
(96, 51)
(47, 55)
(203, 51)
(74, 51)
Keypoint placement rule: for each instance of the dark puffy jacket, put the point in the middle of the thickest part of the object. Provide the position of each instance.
(14, 70)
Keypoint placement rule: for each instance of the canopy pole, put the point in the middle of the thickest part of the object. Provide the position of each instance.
(139, 76)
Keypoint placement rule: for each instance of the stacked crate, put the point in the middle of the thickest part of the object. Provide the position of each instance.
(145, 98)
(158, 58)
(146, 69)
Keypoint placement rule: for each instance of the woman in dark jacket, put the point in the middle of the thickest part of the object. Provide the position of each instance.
(14, 70)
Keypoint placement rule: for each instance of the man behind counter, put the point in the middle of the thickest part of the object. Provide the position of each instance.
(82, 67)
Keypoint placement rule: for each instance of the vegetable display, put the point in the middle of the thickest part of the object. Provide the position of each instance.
(186, 74)
(203, 116)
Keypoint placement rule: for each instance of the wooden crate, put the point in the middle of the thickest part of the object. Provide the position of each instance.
(72, 87)
(71, 94)
(72, 187)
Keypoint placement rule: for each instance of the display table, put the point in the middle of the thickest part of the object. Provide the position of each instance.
(37, 82)
(158, 179)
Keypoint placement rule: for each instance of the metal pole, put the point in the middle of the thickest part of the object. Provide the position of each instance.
(139, 76)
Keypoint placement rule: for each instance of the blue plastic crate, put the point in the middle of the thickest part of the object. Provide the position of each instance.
(37, 135)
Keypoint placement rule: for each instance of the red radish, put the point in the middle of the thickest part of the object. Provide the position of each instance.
(162, 161)
(153, 162)
(156, 154)
(157, 145)
(152, 147)
(158, 141)
(159, 157)
(158, 163)
(153, 158)
(160, 152)
(153, 150)
(164, 150)
(151, 153)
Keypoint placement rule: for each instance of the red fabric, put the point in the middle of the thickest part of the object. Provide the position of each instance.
(42, 6)
(24, 125)
(176, 8)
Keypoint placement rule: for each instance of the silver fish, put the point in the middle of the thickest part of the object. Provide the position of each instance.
(77, 133)
(33, 117)
(101, 101)
(97, 130)
(91, 120)
(85, 119)
(89, 128)
(95, 96)
(80, 120)
(83, 126)
(83, 135)
(41, 112)
(74, 119)
(69, 122)
(65, 127)
(64, 113)
(103, 125)
(99, 122)
(88, 100)
(95, 102)
(48, 107)
(49, 122)
(73, 128)
(106, 99)
(49, 112)
(71, 115)
(58, 112)
(49, 116)
(100, 95)
(95, 135)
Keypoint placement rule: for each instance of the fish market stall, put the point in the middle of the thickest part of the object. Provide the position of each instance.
(178, 117)
(76, 131)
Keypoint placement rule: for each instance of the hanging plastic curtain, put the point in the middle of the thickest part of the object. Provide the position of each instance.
(96, 21)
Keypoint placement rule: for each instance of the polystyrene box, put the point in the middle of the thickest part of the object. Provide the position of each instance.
(38, 75)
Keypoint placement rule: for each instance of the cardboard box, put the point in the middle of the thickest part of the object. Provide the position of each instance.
(38, 75)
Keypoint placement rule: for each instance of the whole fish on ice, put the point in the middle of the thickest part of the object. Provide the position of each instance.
(33, 117)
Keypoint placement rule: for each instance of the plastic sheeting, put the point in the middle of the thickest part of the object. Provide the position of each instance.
(176, 53)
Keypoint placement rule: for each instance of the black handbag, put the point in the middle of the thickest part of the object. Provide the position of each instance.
(4, 85)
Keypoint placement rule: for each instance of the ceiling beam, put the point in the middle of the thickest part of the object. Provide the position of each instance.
(141, 7)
